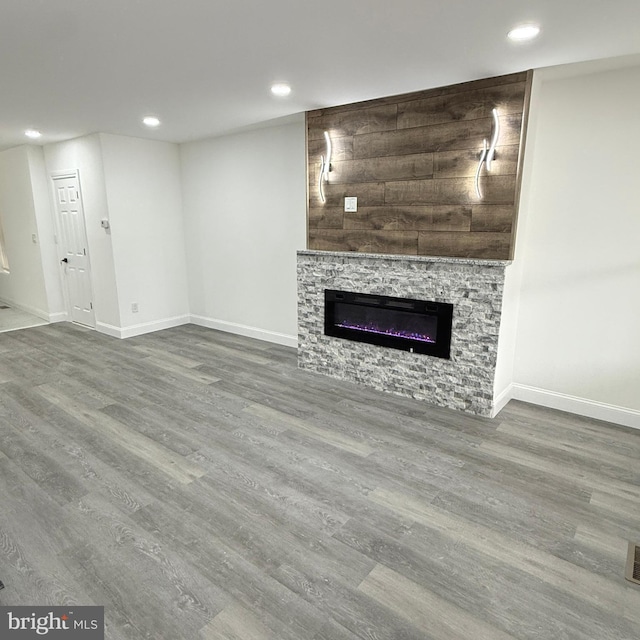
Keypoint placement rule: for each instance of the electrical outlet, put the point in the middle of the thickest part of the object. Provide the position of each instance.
(134, 307)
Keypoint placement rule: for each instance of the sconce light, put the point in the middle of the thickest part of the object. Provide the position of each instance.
(488, 153)
(325, 166)
(483, 157)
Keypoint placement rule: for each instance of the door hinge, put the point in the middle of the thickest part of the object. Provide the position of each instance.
(91, 305)
(84, 251)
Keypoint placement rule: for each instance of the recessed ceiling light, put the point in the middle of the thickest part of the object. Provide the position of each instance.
(151, 121)
(32, 133)
(281, 89)
(523, 32)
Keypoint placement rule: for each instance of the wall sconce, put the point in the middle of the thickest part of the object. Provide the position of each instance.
(487, 155)
(325, 166)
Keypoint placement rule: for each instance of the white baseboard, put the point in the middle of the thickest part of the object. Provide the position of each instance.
(108, 329)
(573, 404)
(244, 330)
(140, 329)
(156, 325)
(43, 315)
(501, 401)
(62, 316)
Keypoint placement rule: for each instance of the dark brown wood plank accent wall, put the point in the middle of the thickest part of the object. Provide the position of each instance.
(411, 161)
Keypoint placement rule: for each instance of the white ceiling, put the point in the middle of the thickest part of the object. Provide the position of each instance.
(73, 67)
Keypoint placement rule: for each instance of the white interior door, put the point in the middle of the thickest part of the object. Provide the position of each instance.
(73, 245)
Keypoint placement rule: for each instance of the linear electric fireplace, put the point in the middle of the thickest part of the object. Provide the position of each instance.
(417, 326)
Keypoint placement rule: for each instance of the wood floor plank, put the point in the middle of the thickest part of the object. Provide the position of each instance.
(597, 551)
(236, 623)
(351, 608)
(30, 542)
(254, 589)
(167, 356)
(18, 445)
(571, 454)
(563, 575)
(496, 592)
(577, 428)
(190, 373)
(438, 618)
(330, 437)
(587, 450)
(175, 466)
(590, 479)
(172, 597)
(145, 424)
(123, 476)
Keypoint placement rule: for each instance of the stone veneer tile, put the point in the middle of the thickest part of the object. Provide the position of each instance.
(474, 287)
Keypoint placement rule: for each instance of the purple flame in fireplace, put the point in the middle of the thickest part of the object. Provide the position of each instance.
(371, 328)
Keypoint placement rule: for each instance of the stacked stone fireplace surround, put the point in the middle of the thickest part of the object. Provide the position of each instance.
(475, 288)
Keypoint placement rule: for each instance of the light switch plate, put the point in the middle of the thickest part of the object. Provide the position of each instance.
(350, 204)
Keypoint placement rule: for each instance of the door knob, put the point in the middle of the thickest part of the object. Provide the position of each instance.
(64, 260)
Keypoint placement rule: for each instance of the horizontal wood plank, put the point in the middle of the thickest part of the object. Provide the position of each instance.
(496, 190)
(341, 149)
(449, 136)
(490, 246)
(407, 167)
(467, 105)
(326, 218)
(371, 120)
(399, 218)
(368, 194)
(492, 218)
(363, 241)
(464, 163)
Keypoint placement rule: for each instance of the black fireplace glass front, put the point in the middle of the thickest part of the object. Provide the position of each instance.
(400, 323)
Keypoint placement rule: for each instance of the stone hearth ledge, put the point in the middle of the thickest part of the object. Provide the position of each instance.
(475, 288)
(328, 256)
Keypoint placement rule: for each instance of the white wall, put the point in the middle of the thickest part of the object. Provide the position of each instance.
(507, 340)
(24, 285)
(244, 208)
(46, 234)
(578, 339)
(145, 209)
(85, 156)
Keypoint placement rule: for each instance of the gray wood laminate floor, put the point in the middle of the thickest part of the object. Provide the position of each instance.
(199, 486)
